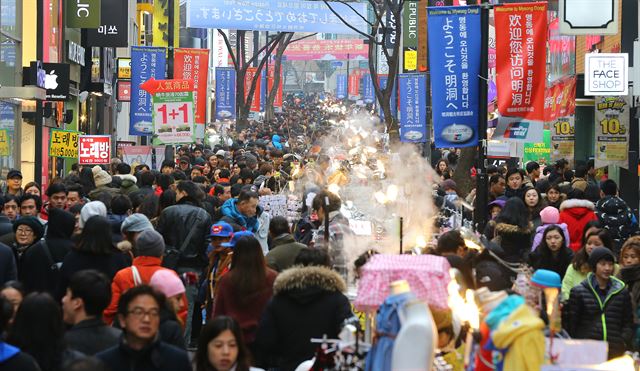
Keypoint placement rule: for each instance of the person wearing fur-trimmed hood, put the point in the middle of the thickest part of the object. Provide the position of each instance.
(513, 231)
(308, 302)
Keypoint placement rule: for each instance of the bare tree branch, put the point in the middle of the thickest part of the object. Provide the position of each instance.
(229, 48)
(355, 11)
(269, 43)
(302, 38)
(368, 36)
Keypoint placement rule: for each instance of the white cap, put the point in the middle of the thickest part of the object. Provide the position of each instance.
(221, 152)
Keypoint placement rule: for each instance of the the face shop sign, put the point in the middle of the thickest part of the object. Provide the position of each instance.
(75, 53)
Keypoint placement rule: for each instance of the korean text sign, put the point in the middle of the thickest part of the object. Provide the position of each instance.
(94, 149)
(276, 15)
(454, 57)
(225, 93)
(146, 62)
(341, 86)
(612, 131)
(193, 64)
(63, 143)
(413, 107)
(173, 117)
(521, 50)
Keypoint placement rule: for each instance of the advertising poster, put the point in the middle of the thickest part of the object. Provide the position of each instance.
(521, 51)
(5, 143)
(94, 149)
(248, 80)
(277, 15)
(538, 152)
(454, 57)
(413, 107)
(137, 155)
(173, 117)
(368, 93)
(562, 138)
(612, 131)
(146, 62)
(63, 143)
(225, 93)
(560, 100)
(193, 64)
(341, 86)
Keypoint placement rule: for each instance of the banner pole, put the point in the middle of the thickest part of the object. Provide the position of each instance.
(480, 212)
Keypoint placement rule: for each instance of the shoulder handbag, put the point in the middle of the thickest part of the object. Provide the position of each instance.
(171, 255)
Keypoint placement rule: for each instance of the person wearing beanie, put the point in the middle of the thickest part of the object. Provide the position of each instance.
(27, 230)
(131, 228)
(168, 283)
(599, 308)
(148, 251)
(102, 180)
(549, 216)
(90, 209)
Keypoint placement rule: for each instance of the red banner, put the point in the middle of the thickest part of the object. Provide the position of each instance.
(248, 79)
(271, 77)
(521, 50)
(354, 84)
(560, 99)
(193, 64)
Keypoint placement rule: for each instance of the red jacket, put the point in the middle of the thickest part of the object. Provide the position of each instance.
(576, 214)
(123, 281)
(228, 303)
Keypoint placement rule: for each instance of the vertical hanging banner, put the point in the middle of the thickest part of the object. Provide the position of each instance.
(193, 64)
(521, 51)
(146, 63)
(225, 93)
(173, 114)
(277, 102)
(368, 94)
(341, 86)
(612, 131)
(410, 35)
(413, 107)
(248, 80)
(563, 132)
(454, 57)
(354, 86)
(263, 89)
(393, 101)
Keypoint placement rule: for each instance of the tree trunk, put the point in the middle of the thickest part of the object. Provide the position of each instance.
(462, 175)
(277, 67)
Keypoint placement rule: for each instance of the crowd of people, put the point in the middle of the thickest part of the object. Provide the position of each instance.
(115, 268)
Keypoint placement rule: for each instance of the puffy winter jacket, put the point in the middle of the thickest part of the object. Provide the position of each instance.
(128, 184)
(514, 241)
(587, 316)
(617, 218)
(576, 214)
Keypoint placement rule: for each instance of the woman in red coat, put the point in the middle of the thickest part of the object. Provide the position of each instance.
(245, 290)
(576, 213)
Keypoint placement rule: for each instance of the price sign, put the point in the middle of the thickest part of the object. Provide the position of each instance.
(563, 132)
(63, 143)
(94, 149)
(173, 117)
(612, 131)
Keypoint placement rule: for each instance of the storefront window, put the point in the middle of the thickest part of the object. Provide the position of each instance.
(9, 42)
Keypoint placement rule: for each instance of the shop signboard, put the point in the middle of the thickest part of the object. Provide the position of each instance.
(113, 30)
(94, 149)
(606, 74)
(83, 13)
(63, 143)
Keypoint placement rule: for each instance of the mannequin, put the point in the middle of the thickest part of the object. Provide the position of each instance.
(415, 344)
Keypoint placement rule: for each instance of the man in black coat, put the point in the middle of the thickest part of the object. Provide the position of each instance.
(599, 308)
(139, 347)
(88, 294)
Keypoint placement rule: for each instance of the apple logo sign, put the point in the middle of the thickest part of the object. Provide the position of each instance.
(50, 82)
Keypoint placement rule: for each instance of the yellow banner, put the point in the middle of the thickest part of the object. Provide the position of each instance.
(64, 143)
(5, 148)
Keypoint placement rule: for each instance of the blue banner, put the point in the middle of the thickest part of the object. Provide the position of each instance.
(146, 62)
(393, 101)
(454, 57)
(277, 15)
(341, 86)
(263, 89)
(225, 93)
(413, 107)
(368, 94)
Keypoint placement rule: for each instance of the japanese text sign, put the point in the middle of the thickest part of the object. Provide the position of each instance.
(173, 117)
(225, 93)
(521, 51)
(193, 64)
(413, 107)
(63, 143)
(276, 15)
(454, 57)
(606, 74)
(368, 94)
(146, 62)
(94, 149)
(341, 86)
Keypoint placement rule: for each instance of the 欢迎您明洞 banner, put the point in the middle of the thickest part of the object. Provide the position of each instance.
(341, 86)
(225, 93)
(277, 15)
(146, 62)
(413, 107)
(454, 57)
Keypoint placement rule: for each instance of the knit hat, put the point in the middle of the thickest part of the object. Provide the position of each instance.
(149, 243)
(136, 223)
(449, 184)
(549, 215)
(100, 177)
(31, 222)
(600, 253)
(90, 209)
(167, 282)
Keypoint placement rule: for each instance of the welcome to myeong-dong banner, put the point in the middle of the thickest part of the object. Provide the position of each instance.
(225, 93)
(276, 15)
(413, 107)
(146, 62)
(454, 57)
